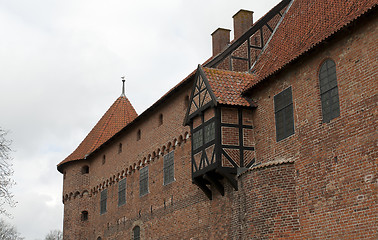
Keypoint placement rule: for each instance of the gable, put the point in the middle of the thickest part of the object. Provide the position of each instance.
(201, 96)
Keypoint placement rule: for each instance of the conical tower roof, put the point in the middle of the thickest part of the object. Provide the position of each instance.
(116, 118)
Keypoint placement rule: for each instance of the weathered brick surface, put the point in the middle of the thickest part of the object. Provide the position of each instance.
(319, 183)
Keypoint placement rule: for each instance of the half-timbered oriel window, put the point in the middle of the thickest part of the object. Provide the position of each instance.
(143, 181)
(103, 200)
(169, 168)
(284, 116)
(329, 93)
(122, 192)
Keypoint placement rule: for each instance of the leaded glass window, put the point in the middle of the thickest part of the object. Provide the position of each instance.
(122, 192)
(210, 132)
(197, 139)
(143, 181)
(136, 233)
(169, 168)
(104, 197)
(284, 116)
(329, 93)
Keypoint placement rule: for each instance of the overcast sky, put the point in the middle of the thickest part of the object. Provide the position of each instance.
(61, 64)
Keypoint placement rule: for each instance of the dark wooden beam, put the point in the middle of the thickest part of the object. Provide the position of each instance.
(204, 188)
(239, 58)
(229, 174)
(259, 24)
(214, 182)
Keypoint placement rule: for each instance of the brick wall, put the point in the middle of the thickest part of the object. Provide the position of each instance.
(335, 162)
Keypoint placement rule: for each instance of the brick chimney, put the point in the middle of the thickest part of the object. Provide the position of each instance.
(243, 20)
(221, 38)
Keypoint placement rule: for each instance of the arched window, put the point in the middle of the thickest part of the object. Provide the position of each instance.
(136, 233)
(84, 215)
(329, 93)
(103, 159)
(85, 169)
(99, 238)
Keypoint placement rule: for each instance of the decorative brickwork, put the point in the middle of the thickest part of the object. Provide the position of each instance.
(236, 180)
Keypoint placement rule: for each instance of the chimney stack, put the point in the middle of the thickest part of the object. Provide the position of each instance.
(221, 38)
(243, 20)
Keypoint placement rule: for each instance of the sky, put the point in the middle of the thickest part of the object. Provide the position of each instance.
(61, 64)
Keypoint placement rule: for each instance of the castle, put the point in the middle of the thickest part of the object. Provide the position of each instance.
(273, 137)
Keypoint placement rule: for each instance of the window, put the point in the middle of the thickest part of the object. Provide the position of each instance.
(85, 169)
(136, 233)
(197, 139)
(139, 135)
(283, 111)
(210, 132)
(169, 169)
(104, 197)
(103, 160)
(120, 148)
(84, 216)
(143, 181)
(122, 192)
(329, 93)
(160, 119)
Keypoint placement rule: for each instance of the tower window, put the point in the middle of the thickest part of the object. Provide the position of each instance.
(85, 169)
(160, 119)
(139, 135)
(122, 192)
(136, 233)
(329, 93)
(120, 148)
(104, 197)
(143, 181)
(84, 216)
(169, 169)
(284, 116)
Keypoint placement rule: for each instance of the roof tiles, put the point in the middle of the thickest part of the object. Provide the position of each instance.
(306, 24)
(227, 85)
(117, 117)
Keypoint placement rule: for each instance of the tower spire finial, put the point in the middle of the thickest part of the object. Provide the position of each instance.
(123, 86)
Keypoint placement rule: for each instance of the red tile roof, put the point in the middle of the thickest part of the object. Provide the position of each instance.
(117, 117)
(227, 85)
(306, 24)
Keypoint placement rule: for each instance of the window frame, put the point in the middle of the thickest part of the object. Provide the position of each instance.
(122, 192)
(329, 91)
(136, 233)
(103, 201)
(284, 114)
(143, 181)
(169, 168)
